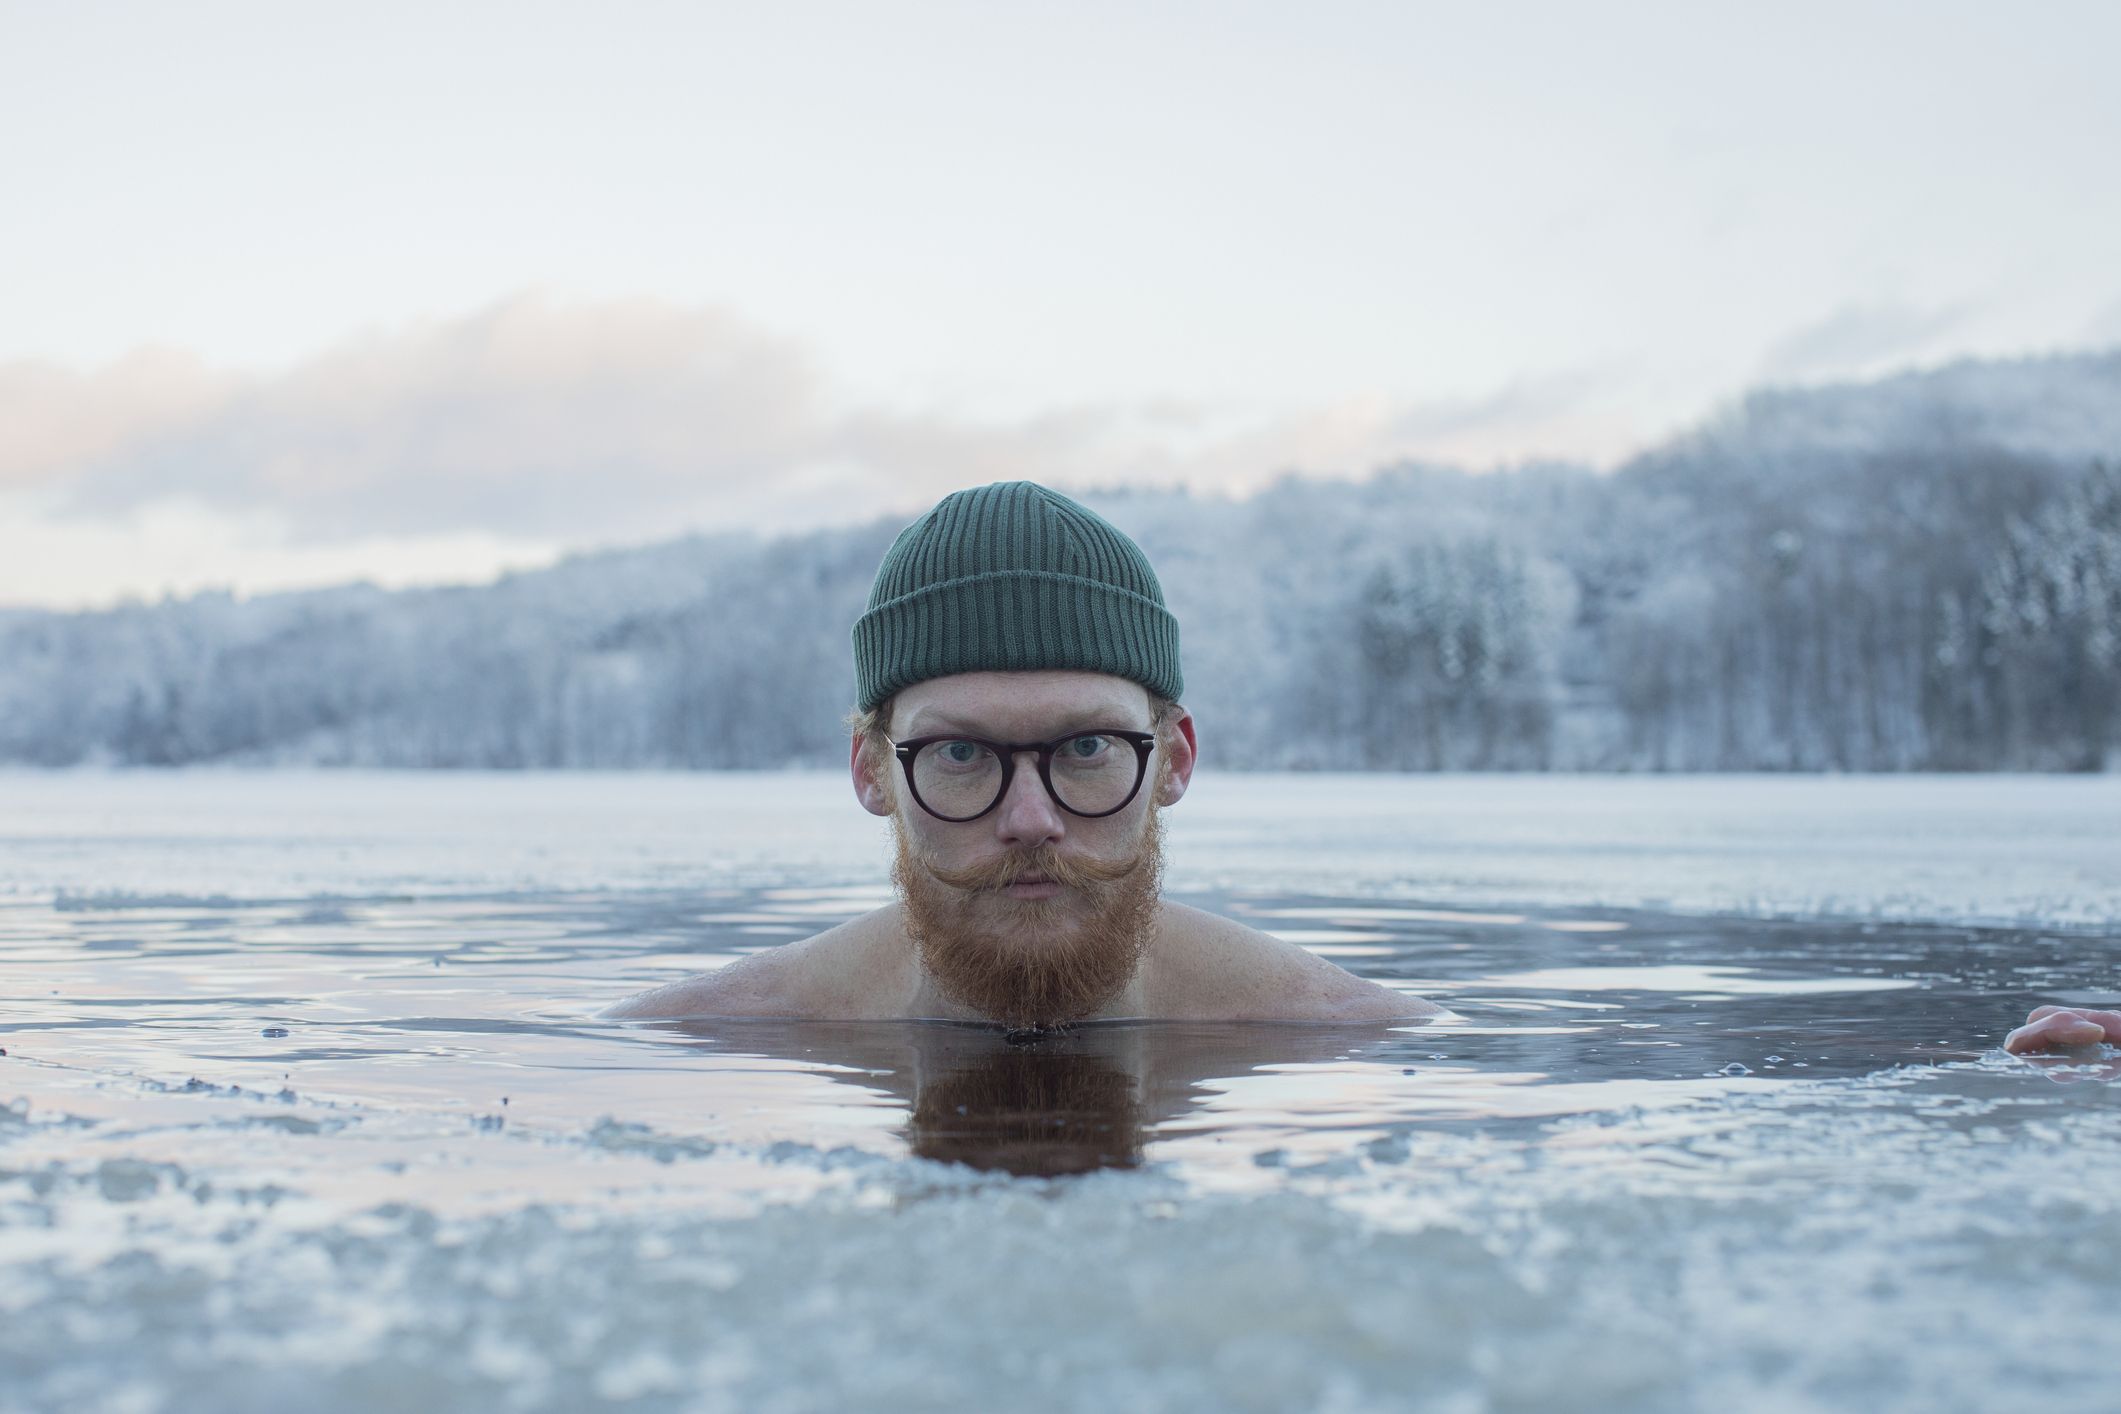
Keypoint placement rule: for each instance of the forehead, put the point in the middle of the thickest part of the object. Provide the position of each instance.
(1019, 706)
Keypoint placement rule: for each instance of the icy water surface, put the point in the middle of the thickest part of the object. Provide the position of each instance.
(361, 1140)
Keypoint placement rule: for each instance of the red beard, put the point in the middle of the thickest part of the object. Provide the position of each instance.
(1033, 962)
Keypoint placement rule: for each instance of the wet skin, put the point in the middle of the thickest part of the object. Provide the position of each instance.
(1197, 967)
(2057, 1028)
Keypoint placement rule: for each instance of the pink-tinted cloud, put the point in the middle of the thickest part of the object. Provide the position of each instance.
(578, 423)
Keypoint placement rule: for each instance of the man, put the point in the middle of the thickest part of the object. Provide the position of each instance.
(1019, 724)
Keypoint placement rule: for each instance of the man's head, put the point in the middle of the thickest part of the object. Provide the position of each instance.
(1012, 617)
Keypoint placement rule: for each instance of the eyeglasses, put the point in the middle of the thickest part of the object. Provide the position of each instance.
(960, 778)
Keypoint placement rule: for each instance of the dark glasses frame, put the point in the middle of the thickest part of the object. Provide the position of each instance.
(1007, 751)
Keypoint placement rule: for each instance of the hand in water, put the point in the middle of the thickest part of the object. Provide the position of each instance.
(2050, 1027)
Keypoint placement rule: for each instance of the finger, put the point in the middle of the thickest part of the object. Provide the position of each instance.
(2071, 1029)
(2059, 1028)
(2111, 1020)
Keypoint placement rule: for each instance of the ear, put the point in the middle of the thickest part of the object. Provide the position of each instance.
(874, 795)
(1181, 750)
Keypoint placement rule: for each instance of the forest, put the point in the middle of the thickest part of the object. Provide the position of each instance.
(1921, 573)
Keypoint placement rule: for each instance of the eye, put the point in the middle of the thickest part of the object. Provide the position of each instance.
(1085, 748)
(960, 755)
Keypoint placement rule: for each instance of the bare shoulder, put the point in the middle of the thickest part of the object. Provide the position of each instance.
(849, 972)
(1208, 967)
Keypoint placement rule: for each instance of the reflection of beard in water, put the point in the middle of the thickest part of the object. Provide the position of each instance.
(1033, 962)
(1025, 1111)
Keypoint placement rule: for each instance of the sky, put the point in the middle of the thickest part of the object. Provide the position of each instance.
(298, 294)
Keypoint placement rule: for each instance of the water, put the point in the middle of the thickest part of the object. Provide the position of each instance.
(305, 1100)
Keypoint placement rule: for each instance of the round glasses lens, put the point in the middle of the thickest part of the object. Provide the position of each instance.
(1094, 774)
(956, 778)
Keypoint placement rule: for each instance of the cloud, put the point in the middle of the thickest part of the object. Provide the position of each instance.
(1857, 339)
(523, 418)
(537, 421)
(60, 420)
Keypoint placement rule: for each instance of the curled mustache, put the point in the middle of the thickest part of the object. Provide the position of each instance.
(1031, 962)
(1074, 872)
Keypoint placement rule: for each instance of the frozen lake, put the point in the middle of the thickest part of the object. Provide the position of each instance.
(304, 1102)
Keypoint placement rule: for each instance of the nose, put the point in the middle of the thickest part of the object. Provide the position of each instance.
(1028, 816)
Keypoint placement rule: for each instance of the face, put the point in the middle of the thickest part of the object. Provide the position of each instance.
(1029, 914)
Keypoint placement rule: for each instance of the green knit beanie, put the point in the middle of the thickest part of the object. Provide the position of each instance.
(1010, 578)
